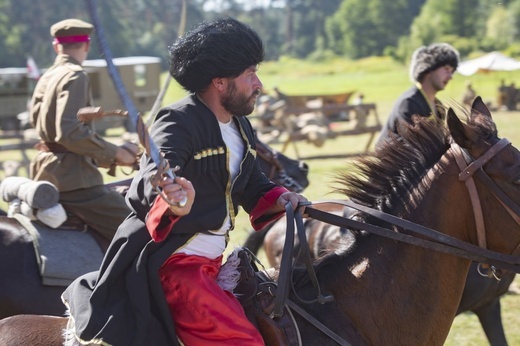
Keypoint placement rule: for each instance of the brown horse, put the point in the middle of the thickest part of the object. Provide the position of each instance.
(388, 292)
(21, 287)
(482, 291)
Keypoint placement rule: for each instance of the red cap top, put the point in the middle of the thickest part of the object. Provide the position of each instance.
(72, 39)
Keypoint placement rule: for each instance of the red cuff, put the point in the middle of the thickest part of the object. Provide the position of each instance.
(256, 216)
(158, 222)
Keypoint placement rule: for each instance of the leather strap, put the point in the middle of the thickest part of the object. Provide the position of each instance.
(440, 242)
(286, 264)
(473, 194)
(317, 323)
(305, 255)
(513, 207)
(475, 168)
(288, 257)
(481, 161)
(50, 147)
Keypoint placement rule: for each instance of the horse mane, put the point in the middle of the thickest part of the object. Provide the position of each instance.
(384, 180)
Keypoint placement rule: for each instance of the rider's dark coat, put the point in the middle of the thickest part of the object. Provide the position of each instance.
(411, 102)
(123, 303)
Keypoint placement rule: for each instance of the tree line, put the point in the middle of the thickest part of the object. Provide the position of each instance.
(304, 29)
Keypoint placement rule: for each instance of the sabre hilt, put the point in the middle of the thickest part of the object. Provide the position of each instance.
(165, 169)
(171, 174)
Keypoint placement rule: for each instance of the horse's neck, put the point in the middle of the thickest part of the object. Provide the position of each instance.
(441, 202)
(408, 288)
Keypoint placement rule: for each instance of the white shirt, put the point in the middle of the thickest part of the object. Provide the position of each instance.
(213, 245)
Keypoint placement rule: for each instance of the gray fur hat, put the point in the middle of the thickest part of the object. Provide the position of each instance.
(427, 59)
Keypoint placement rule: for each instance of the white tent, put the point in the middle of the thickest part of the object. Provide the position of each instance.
(494, 61)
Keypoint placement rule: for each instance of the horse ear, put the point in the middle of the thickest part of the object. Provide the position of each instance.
(458, 130)
(480, 107)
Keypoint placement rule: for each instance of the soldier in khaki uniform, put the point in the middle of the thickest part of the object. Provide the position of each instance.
(70, 152)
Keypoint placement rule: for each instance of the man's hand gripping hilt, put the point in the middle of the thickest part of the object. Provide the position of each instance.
(164, 169)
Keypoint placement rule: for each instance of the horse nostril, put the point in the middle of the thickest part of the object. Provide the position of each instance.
(304, 167)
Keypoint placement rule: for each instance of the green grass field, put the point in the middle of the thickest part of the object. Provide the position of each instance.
(381, 81)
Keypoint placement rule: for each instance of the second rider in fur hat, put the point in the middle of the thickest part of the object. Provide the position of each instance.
(429, 58)
(431, 68)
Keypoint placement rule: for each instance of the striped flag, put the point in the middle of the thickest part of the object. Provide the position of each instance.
(32, 70)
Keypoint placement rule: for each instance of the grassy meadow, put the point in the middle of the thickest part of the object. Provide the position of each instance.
(381, 81)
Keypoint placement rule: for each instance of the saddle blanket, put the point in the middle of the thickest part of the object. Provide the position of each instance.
(62, 255)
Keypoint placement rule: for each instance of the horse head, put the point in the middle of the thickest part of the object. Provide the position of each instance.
(491, 170)
(282, 170)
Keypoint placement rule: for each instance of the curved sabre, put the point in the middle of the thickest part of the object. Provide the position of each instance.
(146, 141)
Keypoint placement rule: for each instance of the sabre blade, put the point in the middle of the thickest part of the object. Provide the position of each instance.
(150, 147)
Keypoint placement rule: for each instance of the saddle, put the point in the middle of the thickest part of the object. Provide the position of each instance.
(266, 302)
(64, 253)
(256, 291)
(74, 223)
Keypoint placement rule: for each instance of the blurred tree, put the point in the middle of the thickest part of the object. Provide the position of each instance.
(298, 28)
(362, 28)
(305, 28)
(132, 27)
(447, 21)
(514, 13)
(116, 29)
(292, 27)
(268, 23)
(4, 25)
(28, 24)
(467, 24)
(153, 24)
(500, 26)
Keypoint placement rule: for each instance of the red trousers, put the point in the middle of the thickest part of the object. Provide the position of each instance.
(204, 313)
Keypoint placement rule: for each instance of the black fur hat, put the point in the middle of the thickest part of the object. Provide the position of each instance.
(221, 48)
(427, 59)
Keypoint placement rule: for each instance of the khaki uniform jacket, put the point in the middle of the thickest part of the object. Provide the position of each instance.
(62, 90)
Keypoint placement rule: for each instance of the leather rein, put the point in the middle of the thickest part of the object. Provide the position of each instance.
(439, 241)
(435, 240)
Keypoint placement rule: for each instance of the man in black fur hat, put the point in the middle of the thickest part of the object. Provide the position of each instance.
(158, 280)
(431, 69)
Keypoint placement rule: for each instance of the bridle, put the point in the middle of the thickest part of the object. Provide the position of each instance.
(469, 168)
(434, 240)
